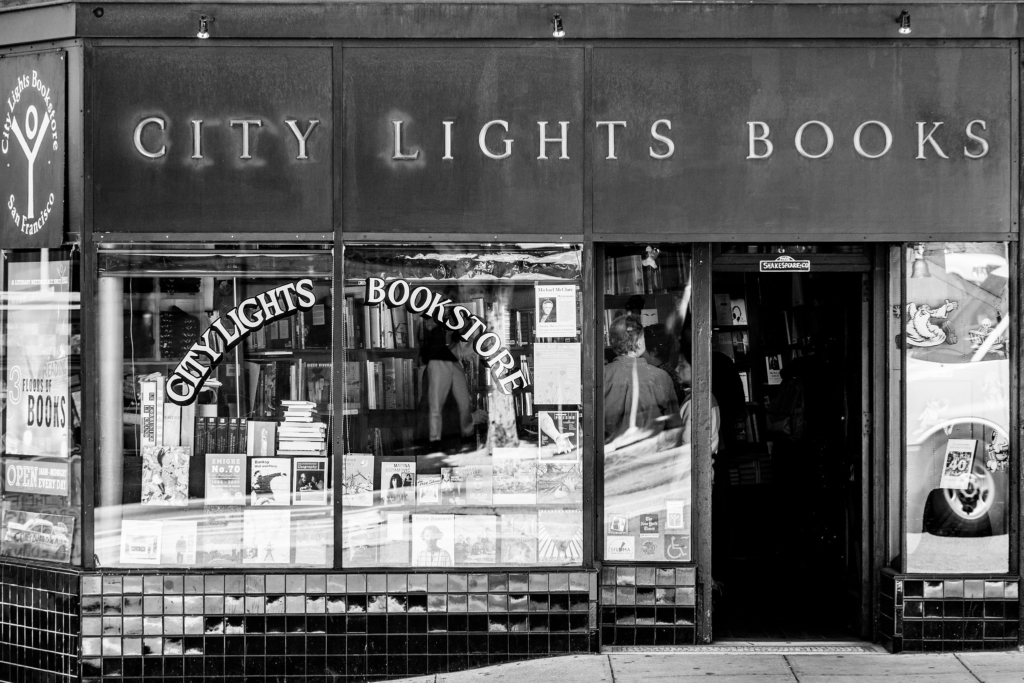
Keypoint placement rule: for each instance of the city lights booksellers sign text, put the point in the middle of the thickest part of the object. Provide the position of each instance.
(456, 318)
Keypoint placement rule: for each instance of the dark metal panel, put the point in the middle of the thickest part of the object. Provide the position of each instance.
(700, 423)
(271, 192)
(74, 141)
(532, 20)
(421, 88)
(875, 514)
(55, 22)
(590, 360)
(33, 152)
(710, 186)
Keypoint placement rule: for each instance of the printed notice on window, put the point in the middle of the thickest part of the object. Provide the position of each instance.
(557, 379)
(556, 310)
(956, 470)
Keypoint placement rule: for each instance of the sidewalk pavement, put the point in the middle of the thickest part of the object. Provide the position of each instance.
(966, 667)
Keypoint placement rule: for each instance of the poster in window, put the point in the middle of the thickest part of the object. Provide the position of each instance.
(360, 537)
(309, 544)
(36, 536)
(269, 484)
(225, 479)
(433, 540)
(310, 481)
(220, 540)
(38, 346)
(476, 540)
(178, 540)
(398, 483)
(515, 476)
(620, 548)
(428, 489)
(560, 536)
(555, 310)
(557, 374)
(357, 480)
(559, 482)
(477, 480)
(519, 538)
(559, 432)
(140, 541)
(165, 475)
(959, 462)
(453, 488)
(266, 536)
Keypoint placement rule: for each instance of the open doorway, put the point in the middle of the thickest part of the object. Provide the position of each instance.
(789, 367)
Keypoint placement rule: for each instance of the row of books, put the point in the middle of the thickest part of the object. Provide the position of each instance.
(271, 382)
(392, 383)
(637, 275)
(548, 537)
(250, 536)
(381, 327)
(161, 422)
(517, 477)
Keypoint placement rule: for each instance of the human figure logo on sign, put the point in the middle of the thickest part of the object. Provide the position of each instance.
(31, 150)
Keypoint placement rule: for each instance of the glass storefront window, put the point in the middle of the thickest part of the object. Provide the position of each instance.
(647, 450)
(215, 406)
(956, 332)
(462, 406)
(40, 355)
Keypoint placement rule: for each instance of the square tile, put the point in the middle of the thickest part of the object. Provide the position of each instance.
(274, 583)
(254, 584)
(625, 576)
(336, 583)
(973, 588)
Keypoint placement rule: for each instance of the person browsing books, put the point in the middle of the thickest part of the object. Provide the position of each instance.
(444, 376)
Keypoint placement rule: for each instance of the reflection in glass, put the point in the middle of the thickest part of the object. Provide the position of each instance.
(462, 406)
(647, 457)
(230, 470)
(956, 332)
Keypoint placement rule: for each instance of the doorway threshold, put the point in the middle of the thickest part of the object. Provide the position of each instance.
(780, 647)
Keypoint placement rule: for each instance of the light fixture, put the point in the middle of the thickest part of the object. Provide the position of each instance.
(204, 28)
(904, 22)
(558, 29)
(919, 269)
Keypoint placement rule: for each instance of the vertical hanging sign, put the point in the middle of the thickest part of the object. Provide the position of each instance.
(38, 336)
(32, 125)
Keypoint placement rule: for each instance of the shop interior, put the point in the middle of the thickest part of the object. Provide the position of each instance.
(789, 362)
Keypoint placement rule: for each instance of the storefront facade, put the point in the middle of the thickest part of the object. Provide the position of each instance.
(343, 347)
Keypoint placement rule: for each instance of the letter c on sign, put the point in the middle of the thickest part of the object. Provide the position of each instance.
(138, 138)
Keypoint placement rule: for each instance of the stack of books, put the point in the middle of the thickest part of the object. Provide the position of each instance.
(302, 432)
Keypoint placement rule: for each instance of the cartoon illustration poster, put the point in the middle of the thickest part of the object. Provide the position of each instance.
(560, 536)
(357, 480)
(165, 475)
(38, 344)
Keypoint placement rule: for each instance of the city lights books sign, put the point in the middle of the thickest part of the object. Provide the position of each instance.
(32, 150)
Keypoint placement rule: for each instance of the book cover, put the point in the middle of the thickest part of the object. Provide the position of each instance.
(266, 536)
(515, 476)
(476, 539)
(739, 312)
(477, 483)
(395, 544)
(560, 536)
(398, 483)
(360, 538)
(559, 432)
(309, 477)
(453, 488)
(318, 386)
(37, 536)
(959, 463)
(172, 424)
(433, 540)
(353, 399)
(559, 482)
(165, 475)
(629, 275)
(261, 438)
(220, 540)
(357, 480)
(428, 489)
(178, 542)
(270, 481)
(308, 543)
(140, 541)
(518, 539)
(225, 479)
(147, 404)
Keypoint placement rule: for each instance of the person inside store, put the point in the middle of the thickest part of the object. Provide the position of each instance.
(445, 376)
(638, 397)
(663, 352)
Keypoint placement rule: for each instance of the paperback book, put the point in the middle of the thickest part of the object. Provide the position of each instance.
(165, 475)
(476, 539)
(477, 482)
(309, 477)
(266, 537)
(357, 480)
(559, 483)
(225, 479)
(261, 439)
(269, 484)
(433, 540)
(398, 483)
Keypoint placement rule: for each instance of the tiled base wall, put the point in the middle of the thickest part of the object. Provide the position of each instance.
(38, 625)
(648, 605)
(318, 628)
(947, 614)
